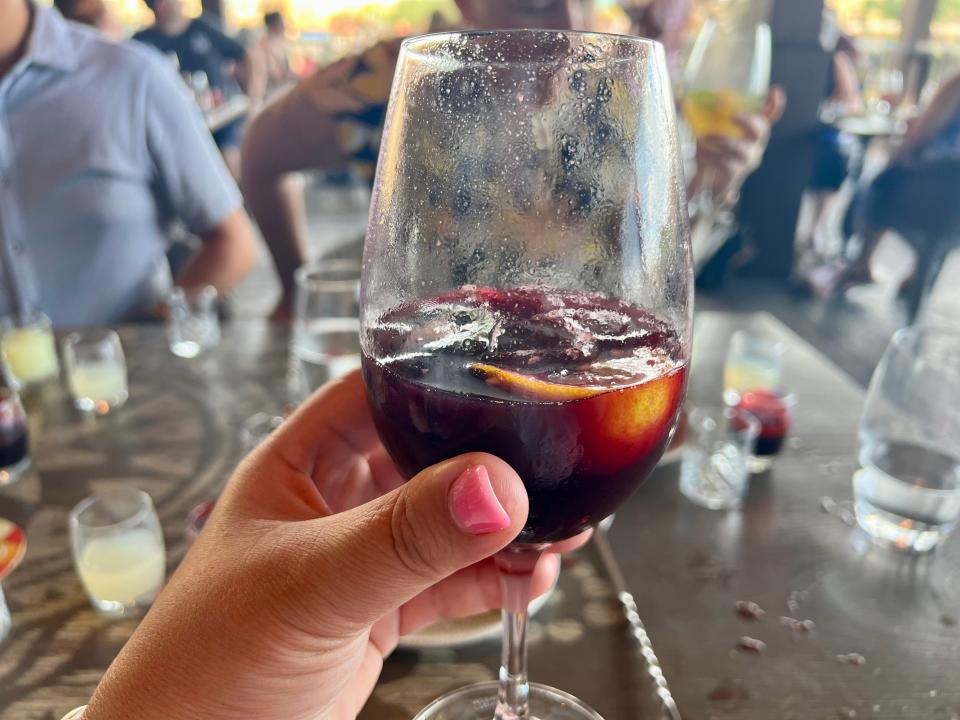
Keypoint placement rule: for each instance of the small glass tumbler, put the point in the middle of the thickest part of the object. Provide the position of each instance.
(14, 440)
(256, 429)
(197, 519)
(118, 549)
(907, 494)
(96, 370)
(716, 456)
(193, 326)
(754, 362)
(28, 349)
(326, 327)
(774, 409)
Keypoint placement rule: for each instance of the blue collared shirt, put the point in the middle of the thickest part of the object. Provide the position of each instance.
(100, 151)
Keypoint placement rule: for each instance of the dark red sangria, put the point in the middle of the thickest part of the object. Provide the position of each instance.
(774, 410)
(14, 449)
(577, 391)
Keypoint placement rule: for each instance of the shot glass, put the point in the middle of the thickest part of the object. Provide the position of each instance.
(118, 549)
(197, 519)
(96, 370)
(14, 440)
(193, 326)
(325, 343)
(716, 456)
(907, 492)
(28, 349)
(256, 429)
(774, 409)
(754, 362)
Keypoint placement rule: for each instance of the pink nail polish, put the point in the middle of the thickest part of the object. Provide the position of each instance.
(474, 505)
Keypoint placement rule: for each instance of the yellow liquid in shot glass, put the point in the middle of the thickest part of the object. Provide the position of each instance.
(30, 353)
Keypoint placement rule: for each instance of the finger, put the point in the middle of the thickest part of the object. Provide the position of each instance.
(726, 151)
(335, 421)
(382, 554)
(470, 591)
(754, 128)
(571, 544)
(775, 105)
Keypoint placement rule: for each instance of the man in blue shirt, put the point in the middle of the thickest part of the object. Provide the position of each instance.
(100, 151)
(200, 47)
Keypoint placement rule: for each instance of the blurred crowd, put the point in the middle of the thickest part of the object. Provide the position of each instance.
(115, 151)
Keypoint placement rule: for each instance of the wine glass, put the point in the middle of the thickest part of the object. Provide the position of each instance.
(727, 75)
(527, 288)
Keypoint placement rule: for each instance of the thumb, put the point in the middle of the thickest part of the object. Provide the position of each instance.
(447, 517)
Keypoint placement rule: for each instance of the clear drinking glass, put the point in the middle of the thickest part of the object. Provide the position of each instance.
(717, 448)
(325, 343)
(96, 370)
(527, 288)
(754, 362)
(727, 74)
(193, 326)
(257, 428)
(14, 440)
(118, 549)
(29, 350)
(907, 493)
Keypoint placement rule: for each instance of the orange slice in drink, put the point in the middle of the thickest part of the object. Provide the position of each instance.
(529, 387)
(621, 426)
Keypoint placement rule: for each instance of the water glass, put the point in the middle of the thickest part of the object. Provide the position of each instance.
(118, 549)
(96, 370)
(718, 445)
(326, 328)
(193, 326)
(28, 349)
(907, 494)
(14, 443)
(754, 362)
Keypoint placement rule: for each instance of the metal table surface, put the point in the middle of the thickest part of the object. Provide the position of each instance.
(177, 439)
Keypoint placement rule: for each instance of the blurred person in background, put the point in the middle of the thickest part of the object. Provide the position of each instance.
(916, 196)
(274, 51)
(836, 154)
(333, 120)
(93, 13)
(100, 151)
(202, 48)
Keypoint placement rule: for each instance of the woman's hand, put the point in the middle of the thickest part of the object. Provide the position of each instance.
(723, 163)
(314, 562)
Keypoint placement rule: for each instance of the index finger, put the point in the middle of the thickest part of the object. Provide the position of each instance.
(755, 126)
(335, 421)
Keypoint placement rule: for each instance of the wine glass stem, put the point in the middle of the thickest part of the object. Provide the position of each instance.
(516, 564)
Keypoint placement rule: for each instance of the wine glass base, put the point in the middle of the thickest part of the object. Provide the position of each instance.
(479, 702)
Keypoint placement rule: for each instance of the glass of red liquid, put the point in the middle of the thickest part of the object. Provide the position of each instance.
(14, 445)
(774, 410)
(527, 288)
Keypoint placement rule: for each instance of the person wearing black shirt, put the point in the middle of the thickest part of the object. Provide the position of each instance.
(200, 47)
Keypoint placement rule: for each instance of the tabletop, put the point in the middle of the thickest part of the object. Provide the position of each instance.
(177, 439)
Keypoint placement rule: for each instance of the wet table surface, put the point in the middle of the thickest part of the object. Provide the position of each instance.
(177, 439)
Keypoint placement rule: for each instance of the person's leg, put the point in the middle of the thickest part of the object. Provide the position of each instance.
(227, 139)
